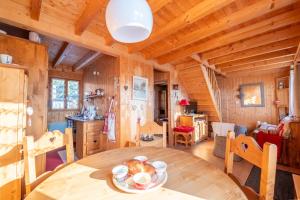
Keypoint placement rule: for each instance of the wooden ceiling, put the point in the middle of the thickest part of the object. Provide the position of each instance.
(64, 53)
(227, 35)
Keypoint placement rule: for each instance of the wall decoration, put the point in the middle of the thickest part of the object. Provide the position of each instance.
(252, 95)
(140, 88)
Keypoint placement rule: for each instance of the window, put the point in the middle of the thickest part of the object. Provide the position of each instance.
(64, 94)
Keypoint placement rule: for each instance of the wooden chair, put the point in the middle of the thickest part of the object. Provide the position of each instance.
(247, 148)
(296, 179)
(48, 142)
(151, 128)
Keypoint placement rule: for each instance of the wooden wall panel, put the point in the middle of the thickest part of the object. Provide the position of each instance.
(108, 78)
(131, 109)
(35, 57)
(248, 116)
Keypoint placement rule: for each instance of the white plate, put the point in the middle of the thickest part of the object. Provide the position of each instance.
(128, 184)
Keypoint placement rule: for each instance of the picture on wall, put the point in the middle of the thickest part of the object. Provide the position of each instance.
(140, 88)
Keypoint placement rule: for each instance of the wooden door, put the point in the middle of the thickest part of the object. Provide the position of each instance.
(13, 95)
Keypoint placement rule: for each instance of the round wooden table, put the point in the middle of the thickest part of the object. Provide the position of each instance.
(189, 177)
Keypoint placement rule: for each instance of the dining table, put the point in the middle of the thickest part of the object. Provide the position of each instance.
(189, 177)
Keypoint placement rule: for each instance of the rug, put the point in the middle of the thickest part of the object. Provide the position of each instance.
(284, 184)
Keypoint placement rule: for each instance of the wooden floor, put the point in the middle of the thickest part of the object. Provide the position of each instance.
(204, 150)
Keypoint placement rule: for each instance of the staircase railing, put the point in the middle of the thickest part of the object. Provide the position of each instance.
(214, 86)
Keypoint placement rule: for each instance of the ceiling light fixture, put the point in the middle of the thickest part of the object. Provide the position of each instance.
(129, 21)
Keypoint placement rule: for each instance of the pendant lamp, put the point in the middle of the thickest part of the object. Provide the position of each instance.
(129, 21)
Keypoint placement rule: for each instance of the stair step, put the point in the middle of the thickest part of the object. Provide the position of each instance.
(194, 82)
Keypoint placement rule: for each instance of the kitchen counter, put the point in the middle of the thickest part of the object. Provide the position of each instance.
(89, 136)
(81, 119)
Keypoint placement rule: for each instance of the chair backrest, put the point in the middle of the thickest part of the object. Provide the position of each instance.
(151, 128)
(48, 142)
(266, 158)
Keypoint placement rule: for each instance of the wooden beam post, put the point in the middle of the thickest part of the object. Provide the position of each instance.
(35, 9)
(85, 60)
(297, 55)
(62, 53)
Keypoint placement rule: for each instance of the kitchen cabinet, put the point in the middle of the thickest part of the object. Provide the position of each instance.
(199, 122)
(89, 137)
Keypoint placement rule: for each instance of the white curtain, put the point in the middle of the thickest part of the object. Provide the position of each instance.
(291, 93)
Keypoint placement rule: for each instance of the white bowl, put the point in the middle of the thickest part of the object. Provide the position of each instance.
(5, 58)
(141, 158)
(160, 167)
(141, 180)
(120, 172)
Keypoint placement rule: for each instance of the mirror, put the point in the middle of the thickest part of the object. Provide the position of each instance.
(252, 95)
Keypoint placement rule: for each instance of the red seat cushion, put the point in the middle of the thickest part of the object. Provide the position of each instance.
(184, 129)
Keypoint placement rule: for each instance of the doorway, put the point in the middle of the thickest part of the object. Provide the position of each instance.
(161, 102)
(162, 99)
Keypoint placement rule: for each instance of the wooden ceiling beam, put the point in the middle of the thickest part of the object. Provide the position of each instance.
(263, 57)
(35, 9)
(205, 63)
(199, 11)
(264, 39)
(62, 53)
(263, 68)
(92, 9)
(262, 64)
(270, 24)
(86, 60)
(243, 15)
(256, 51)
(156, 5)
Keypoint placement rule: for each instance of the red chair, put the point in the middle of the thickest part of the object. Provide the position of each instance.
(273, 138)
(184, 135)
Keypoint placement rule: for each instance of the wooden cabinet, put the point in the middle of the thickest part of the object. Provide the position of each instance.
(199, 122)
(13, 100)
(89, 138)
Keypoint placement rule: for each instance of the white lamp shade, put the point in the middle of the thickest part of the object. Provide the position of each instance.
(129, 21)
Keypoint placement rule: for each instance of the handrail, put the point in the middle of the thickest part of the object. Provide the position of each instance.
(214, 86)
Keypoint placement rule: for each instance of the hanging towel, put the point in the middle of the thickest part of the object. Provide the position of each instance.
(110, 123)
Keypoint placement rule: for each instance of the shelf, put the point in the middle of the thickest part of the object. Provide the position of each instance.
(93, 96)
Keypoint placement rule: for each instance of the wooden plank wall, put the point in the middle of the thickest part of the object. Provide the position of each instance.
(231, 105)
(132, 109)
(65, 72)
(108, 78)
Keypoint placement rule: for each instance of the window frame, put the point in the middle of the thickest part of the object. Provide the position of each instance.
(65, 94)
